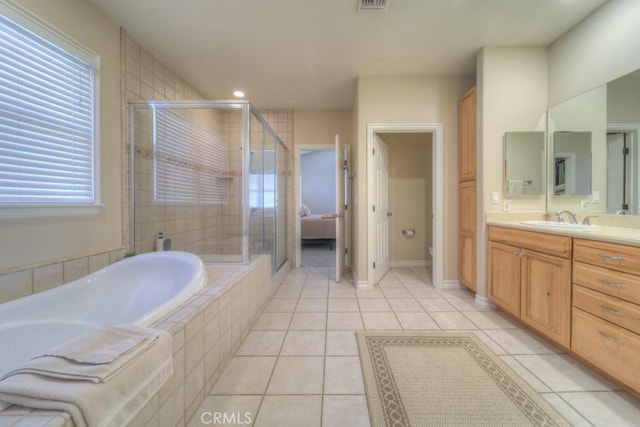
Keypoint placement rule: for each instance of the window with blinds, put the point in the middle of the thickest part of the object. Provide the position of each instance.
(48, 142)
(190, 161)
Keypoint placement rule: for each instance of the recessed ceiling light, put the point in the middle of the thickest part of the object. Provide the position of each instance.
(238, 94)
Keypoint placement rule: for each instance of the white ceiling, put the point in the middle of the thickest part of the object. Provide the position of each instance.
(306, 54)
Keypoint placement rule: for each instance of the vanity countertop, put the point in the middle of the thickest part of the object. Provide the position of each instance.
(621, 235)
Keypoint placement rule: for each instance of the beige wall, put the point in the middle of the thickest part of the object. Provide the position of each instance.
(321, 126)
(601, 48)
(409, 100)
(410, 195)
(41, 240)
(512, 96)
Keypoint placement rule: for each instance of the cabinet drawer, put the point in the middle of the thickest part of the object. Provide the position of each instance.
(609, 347)
(619, 257)
(613, 309)
(611, 282)
(540, 242)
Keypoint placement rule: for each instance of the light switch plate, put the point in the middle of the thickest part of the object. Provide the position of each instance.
(595, 197)
(495, 198)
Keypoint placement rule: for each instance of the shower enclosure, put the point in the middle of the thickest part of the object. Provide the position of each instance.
(210, 176)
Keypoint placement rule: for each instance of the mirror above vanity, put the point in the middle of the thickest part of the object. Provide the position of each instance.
(524, 163)
(571, 173)
(594, 151)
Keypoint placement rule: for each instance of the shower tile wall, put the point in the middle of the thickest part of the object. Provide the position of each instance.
(146, 78)
(197, 229)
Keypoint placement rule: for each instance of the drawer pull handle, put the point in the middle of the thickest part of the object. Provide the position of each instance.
(611, 284)
(612, 257)
(518, 254)
(610, 310)
(610, 338)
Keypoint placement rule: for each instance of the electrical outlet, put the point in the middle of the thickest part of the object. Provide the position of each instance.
(584, 204)
(506, 205)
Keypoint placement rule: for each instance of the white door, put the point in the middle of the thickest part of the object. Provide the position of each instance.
(615, 172)
(380, 208)
(340, 245)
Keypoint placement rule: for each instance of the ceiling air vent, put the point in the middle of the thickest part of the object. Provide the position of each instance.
(376, 5)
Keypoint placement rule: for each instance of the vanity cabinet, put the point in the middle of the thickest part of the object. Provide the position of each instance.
(467, 137)
(467, 192)
(467, 233)
(529, 276)
(606, 308)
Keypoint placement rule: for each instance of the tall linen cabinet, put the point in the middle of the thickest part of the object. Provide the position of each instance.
(467, 189)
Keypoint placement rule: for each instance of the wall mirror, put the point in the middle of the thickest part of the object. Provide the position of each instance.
(577, 145)
(611, 114)
(524, 168)
(623, 148)
(571, 163)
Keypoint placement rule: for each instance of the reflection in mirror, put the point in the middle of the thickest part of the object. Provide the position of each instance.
(524, 163)
(571, 163)
(581, 118)
(623, 153)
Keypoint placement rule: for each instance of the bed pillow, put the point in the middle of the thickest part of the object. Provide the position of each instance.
(304, 210)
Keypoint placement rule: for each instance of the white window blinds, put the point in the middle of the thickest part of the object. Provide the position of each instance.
(190, 161)
(47, 121)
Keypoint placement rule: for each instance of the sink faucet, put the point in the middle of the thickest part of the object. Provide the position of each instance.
(623, 212)
(572, 217)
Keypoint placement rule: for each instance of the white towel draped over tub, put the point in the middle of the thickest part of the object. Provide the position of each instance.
(101, 378)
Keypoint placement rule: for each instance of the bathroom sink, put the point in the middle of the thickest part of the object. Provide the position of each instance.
(557, 224)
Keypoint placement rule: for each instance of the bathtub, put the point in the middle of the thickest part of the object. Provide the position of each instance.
(138, 290)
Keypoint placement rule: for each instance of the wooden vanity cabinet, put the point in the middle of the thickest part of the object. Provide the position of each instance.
(546, 295)
(467, 234)
(529, 276)
(504, 276)
(606, 308)
(467, 192)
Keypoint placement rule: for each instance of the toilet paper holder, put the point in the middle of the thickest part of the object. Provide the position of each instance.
(409, 232)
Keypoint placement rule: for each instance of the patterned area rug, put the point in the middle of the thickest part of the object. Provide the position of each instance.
(439, 378)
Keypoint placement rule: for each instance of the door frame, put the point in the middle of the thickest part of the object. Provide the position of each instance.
(634, 129)
(298, 189)
(437, 183)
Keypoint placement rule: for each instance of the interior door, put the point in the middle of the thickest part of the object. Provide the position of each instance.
(340, 205)
(615, 172)
(380, 209)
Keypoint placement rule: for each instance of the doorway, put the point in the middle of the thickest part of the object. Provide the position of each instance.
(420, 221)
(316, 193)
(323, 183)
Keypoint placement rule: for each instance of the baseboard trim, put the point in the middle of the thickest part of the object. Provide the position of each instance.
(409, 263)
(484, 302)
(449, 284)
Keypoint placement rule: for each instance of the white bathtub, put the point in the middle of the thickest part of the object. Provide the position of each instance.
(138, 290)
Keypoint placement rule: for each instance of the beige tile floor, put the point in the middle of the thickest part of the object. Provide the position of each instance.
(299, 364)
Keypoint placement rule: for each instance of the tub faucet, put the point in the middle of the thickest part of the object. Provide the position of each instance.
(572, 217)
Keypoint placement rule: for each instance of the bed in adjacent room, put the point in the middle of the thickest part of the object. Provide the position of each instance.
(317, 228)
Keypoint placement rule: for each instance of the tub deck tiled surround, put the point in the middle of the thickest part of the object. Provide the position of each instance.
(206, 331)
(299, 364)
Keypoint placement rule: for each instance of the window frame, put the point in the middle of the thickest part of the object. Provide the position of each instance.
(42, 29)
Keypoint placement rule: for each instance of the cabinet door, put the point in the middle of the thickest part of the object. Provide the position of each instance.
(504, 277)
(467, 137)
(546, 295)
(467, 233)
